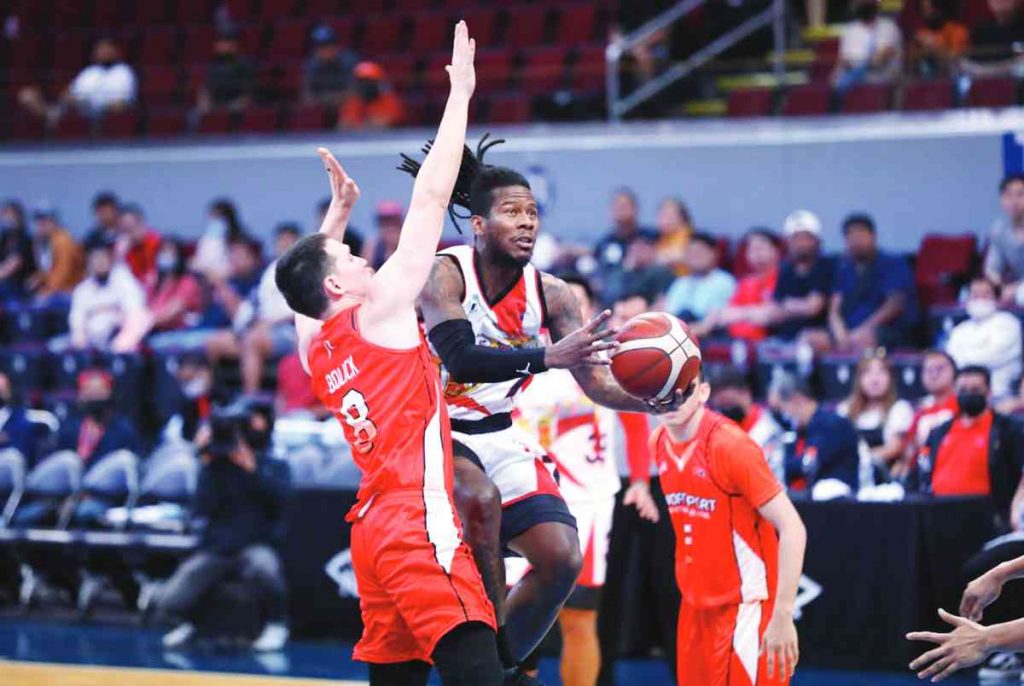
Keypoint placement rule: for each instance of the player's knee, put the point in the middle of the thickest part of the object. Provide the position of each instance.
(480, 506)
(561, 565)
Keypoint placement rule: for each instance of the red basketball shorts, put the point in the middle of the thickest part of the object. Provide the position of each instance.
(416, 577)
(720, 646)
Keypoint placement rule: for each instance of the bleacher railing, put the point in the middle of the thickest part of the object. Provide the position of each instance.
(619, 105)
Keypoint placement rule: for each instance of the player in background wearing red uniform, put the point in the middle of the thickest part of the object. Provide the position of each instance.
(421, 596)
(739, 549)
(484, 308)
(583, 440)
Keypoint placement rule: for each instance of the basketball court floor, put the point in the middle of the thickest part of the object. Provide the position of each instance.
(46, 653)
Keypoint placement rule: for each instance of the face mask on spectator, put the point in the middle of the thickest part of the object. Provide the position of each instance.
(94, 409)
(972, 404)
(980, 309)
(102, 279)
(733, 412)
(165, 261)
(216, 227)
(368, 89)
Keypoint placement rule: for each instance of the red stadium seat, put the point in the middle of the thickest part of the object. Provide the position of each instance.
(239, 10)
(215, 121)
(992, 93)
(751, 102)
(198, 45)
(159, 46)
(28, 128)
(186, 12)
(119, 124)
(431, 31)
(543, 71)
(72, 125)
(107, 14)
(165, 123)
(411, 6)
(483, 25)
(365, 6)
(151, 12)
(526, 25)
(345, 30)
(382, 33)
(276, 10)
(286, 83)
(159, 86)
(944, 262)
(928, 95)
(867, 98)
(401, 69)
(251, 39)
(71, 51)
(811, 99)
(312, 117)
(260, 120)
(323, 9)
(26, 53)
(289, 41)
(511, 108)
(589, 67)
(493, 69)
(70, 14)
(577, 24)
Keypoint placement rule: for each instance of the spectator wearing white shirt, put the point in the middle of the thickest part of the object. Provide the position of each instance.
(881, 418)
(989, 338)
(108, 308)
(108, 84)
(264, 326)
(870, 48)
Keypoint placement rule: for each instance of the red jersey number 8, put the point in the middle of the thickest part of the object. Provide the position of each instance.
(356, 413)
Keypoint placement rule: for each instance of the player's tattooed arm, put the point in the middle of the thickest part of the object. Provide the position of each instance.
(565, 319)
(344, 194)
(441, 299)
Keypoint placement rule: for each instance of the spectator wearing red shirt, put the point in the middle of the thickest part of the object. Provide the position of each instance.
(373, 102)
(175, 297)
(938, 373)
(138, 244)
(751, 308)
(979, 452)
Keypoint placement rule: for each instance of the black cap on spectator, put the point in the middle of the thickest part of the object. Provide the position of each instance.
(44, 210)
(98, 241)
(133, 208)
(858, 219)
(105, 198)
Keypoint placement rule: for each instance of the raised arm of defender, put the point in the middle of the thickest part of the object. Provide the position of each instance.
(389, 313)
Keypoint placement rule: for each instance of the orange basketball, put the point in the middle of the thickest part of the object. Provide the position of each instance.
(657, 355)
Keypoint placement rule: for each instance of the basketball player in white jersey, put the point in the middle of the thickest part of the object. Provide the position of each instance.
(583, 441)
(484, 309)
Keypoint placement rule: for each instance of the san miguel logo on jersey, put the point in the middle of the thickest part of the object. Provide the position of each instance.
(341, 375)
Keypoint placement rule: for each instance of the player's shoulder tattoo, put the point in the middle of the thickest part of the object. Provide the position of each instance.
(445, 282)
(562, 308)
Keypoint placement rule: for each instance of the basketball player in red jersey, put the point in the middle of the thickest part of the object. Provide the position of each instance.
(421, 596)
(485, 308)
(739, 549)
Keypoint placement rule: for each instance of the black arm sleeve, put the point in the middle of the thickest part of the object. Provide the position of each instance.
(468, 362)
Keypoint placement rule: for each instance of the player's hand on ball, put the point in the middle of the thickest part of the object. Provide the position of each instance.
(979, 594)
(639, 496)
(461, 70)
(965, 646)
(780, 646)
(583, 346)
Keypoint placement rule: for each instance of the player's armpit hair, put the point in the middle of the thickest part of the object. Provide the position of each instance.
(475, 181)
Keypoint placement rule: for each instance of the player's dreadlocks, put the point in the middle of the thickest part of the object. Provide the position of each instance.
(476, 180)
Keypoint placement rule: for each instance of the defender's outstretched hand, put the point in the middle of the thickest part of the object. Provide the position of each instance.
(461, 70)
(344, 194)
(963, 647)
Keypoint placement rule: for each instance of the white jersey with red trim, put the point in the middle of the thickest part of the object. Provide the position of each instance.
(581, 438)
(513, 320)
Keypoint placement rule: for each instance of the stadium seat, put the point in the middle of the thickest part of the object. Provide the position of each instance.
(25, 368)
(65, 367)
(159, 46)
(28, 128)
(170, 476)
(509, 109)
(260, 120)
(198, 44)
(129, 372)
(928, 95)
(216, 121)
(26, 325)
(13, 470)
(159, 86)
(944, 262)
(867, 98)
(289, 41)
(106, 14)
(402, 70)
(835, 376)
(165, 123)
(322, 9)
(239, 11)
(526, 25)
(312, 117)
(770, 363)
(906, 369)
(493, 69)
(276, 10)
(384, 34)
(588, 68)
(252, 39)
(430, 31)
(543, 71)
(191, 12)
(70, 14)
(992, 93)
(751, 102)
(577, 24)
(483, 25)
(344, 29)
(72, 125)
(809, 100)
(152, 12)
(124, 124)
(71, 51)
